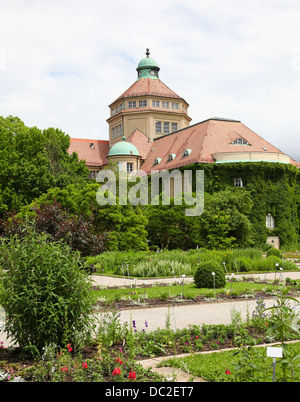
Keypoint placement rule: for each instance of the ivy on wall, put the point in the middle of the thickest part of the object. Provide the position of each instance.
(274, 189)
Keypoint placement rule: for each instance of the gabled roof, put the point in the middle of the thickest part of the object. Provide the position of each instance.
(94, 152)
(148, 86)
(204, 139)
(141, 141)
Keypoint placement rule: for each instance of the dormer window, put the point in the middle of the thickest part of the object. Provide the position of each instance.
(186, 152)
(240, 141)
(156, 161)
(171, 157)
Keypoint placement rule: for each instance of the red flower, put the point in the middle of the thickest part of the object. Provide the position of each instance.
(118, 360)
(116, 371)
(69, 347)
(227, 372)
(64, 369)
(84, 365)
(132, 375)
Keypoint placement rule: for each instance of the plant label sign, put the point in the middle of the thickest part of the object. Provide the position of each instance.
(274, 352)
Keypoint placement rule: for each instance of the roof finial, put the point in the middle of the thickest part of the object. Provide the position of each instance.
(147, 52)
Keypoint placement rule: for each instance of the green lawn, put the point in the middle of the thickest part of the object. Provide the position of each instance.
(213, 366)
(189, 291)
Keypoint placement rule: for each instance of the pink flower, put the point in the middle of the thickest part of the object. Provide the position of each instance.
(84, 365)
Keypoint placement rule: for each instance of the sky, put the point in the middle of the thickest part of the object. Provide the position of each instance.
(62, 62)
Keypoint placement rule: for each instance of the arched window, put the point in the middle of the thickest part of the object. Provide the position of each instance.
(240, 141)
(238, 182)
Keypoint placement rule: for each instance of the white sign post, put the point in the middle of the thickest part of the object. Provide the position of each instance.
(275, 353)
(213, 274)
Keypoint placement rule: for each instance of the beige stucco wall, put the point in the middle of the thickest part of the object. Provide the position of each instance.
(251, 156)
(123, 159)
(144, 118)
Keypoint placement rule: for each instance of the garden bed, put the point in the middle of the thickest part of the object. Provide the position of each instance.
(135, 302)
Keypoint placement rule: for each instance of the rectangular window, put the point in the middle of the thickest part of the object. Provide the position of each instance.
(93, 174)
(166, 127)
(117, 109)
(158, 127)
(155, 103)
(129, 167)
(175, 105)
(113, 133)
(117, 131)
(131, 104)
(165, 104)
(174, 127)
(142, 103)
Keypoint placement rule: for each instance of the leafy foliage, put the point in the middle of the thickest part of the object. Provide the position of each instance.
(77, 231)
(210, 274)
(45, 294)
(32, 161)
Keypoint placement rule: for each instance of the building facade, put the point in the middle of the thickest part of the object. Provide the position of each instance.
(149, 128)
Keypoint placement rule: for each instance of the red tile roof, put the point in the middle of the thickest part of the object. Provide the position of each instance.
(94, 155)
(141, 141)
(204, 139)
(148, 86)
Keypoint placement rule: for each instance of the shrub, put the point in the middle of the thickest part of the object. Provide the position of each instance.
(45, 294)
(274, 251)
(244, 264)
(156, 267)
(60, 224)
(203, 277)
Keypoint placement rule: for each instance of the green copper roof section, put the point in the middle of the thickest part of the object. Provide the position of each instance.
(123, 148)
(148, 67)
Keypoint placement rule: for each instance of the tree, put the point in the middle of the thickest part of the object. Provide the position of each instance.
(77, 231)
(32, 161)
(225, 221)
(167, 225)
(123, 224)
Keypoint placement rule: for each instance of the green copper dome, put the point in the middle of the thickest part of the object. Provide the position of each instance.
(148, 67)
(147, 62)
(123, 148)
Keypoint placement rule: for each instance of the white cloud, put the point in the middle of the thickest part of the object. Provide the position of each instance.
(63, 62)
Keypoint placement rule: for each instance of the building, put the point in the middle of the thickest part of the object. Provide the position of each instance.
(149, 128)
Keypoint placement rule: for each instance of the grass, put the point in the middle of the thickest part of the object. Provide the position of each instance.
(213, 366)
(189, 291)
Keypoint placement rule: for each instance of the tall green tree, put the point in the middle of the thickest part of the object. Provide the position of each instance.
(32, 161)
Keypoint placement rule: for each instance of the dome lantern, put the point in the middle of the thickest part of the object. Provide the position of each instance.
(148, 67)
